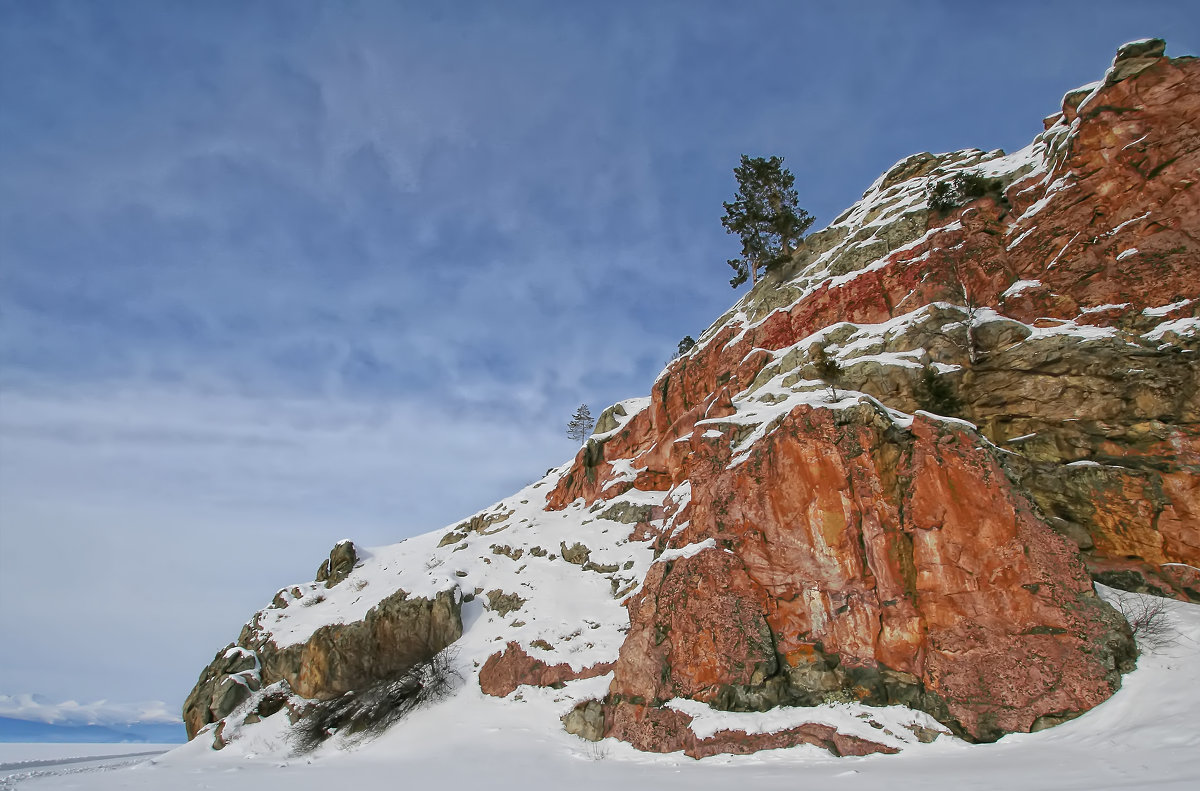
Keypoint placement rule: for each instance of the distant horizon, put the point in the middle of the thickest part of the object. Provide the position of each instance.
(274, 275)
(29, 717)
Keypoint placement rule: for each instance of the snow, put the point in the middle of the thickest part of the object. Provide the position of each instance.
(21, 765)
(1019, 286)
(1145, 736)
(1084, 331)
(1105, 308)
(632, 407)
(687, 551)
(890, 723)
(1186, 327)
(1121, 226)
(18, 752)
(1062, 251)
(1166, 309)
(1132, 251)
(556, 592)
(944, 419)
(1016, 242)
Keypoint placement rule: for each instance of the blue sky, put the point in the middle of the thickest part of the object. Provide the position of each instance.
(277, 273)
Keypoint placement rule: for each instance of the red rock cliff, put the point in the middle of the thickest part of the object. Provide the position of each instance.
(829, 543)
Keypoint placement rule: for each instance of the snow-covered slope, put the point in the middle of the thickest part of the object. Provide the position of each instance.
(1146, 736)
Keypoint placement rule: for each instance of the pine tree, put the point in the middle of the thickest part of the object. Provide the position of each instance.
(580, 427)
(765, 215)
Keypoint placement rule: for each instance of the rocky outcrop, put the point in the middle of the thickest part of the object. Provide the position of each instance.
(339, 564)
(503, 672)
(1097, 225)
(397, 633)
(664, 730)
(848, 552)
(888, 476)
(852, 558)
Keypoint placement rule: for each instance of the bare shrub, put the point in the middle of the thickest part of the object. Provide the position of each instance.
(369, 712)
(1149, 618)
(828, 368)
(596, 751)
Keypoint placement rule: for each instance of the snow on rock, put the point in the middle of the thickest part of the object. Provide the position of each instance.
(886, 476)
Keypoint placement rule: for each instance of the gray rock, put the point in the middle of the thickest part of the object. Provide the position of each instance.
(576, 553)
(393, 636)
(586, 721)
(341, 562)
(1145, 48)
(608, 419)
(503, 603)
(1127, 68)
(998, 334)
(627, 513)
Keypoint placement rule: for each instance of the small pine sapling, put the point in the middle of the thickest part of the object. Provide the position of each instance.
(581, 425)
(960, 189)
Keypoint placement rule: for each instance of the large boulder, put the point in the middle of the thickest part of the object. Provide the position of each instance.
(397, 633)
(339, 564)
(851, 558)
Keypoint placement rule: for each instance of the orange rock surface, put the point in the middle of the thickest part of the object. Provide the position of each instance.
(916, 564)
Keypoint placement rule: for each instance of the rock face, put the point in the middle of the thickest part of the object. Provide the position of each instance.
(394, 635)
(668, 730)
(850, 557)
(889, 475)
(503, 672)
(944, 565)
(339, 564)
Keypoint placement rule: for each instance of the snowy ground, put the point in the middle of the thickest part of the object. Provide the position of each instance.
(1146, 736)
(20, 763)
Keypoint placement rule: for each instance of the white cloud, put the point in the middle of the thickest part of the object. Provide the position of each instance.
(36, 708)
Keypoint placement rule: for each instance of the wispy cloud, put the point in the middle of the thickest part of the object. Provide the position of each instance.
(274, 273)
(36, 708)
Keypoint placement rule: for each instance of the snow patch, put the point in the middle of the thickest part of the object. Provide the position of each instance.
(688, 551)
(1163, 310)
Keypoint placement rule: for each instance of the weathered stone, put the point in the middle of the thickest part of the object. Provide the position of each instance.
(874, 513)
(507, 551)
(503, 603)
(627, 513)
(576, 553)
(339, 564)
(504, 671)
(394, 635)
(924, 735)
(586, 721)
(608, 419)
(666, 730)
(1144, 48)
(485, 524)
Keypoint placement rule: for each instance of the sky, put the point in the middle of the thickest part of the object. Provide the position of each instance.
(274, 274)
